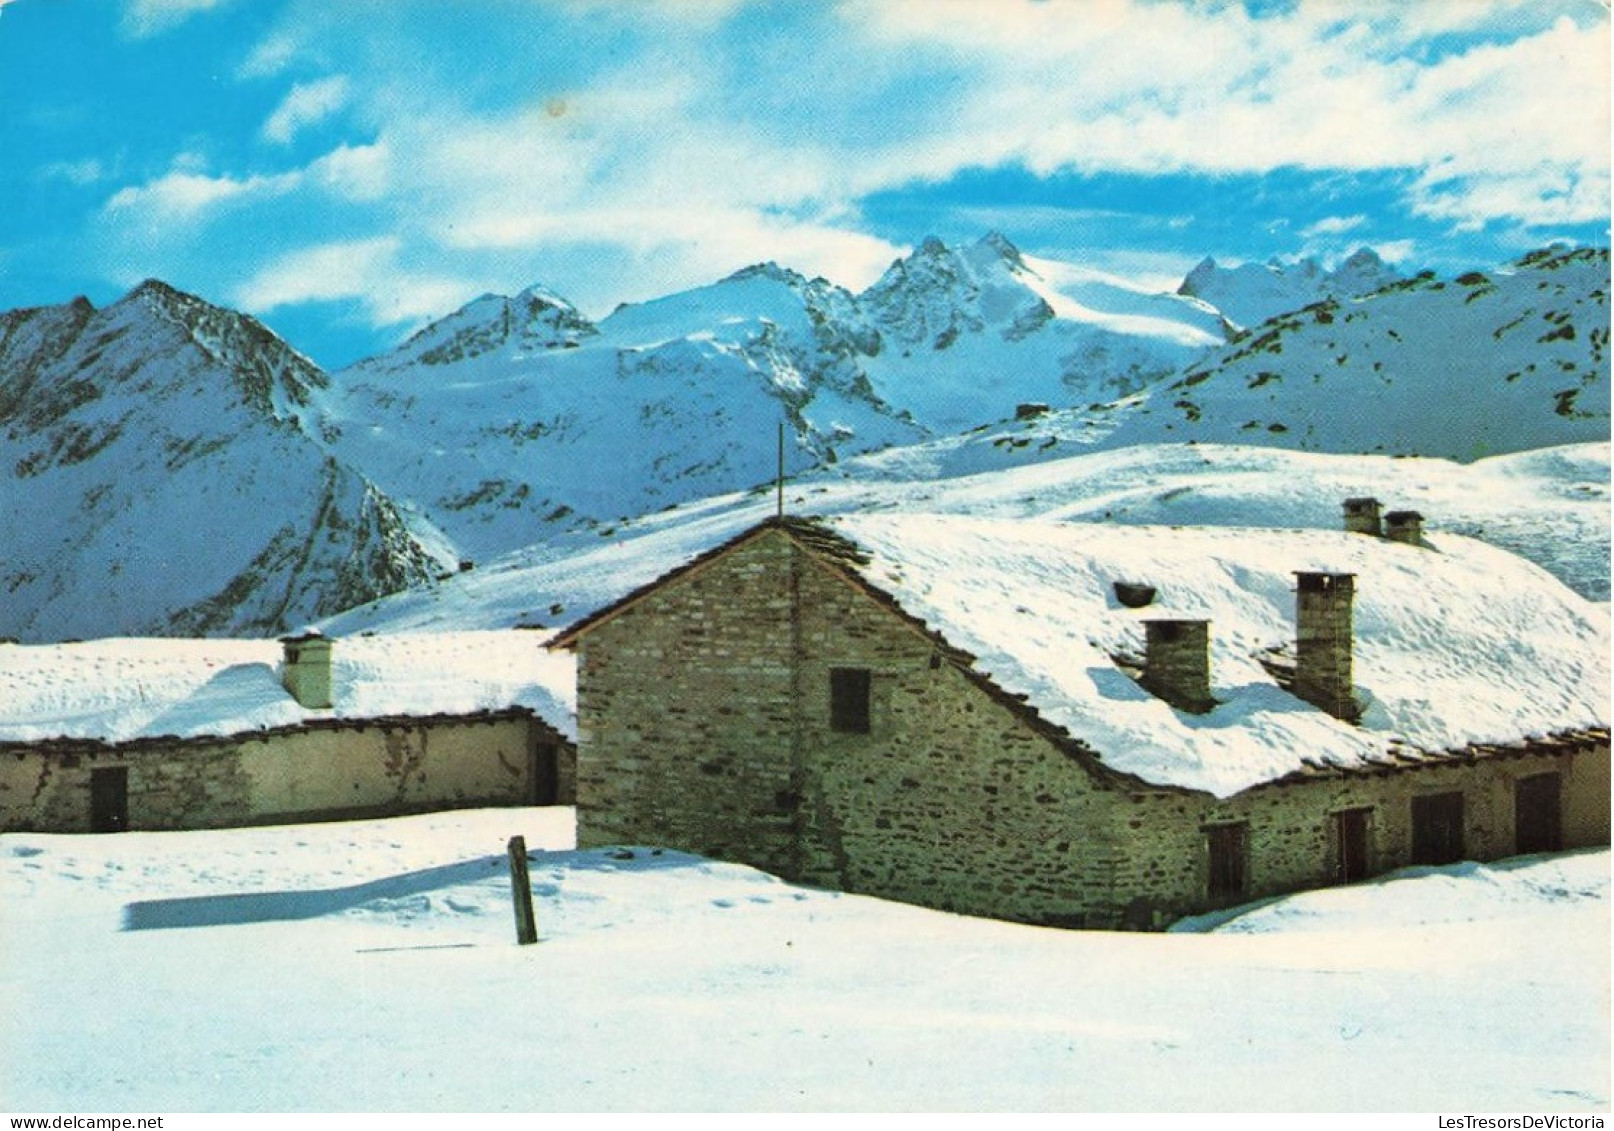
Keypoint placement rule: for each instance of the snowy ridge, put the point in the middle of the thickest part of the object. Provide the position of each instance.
(1455, 644)
(120, 689)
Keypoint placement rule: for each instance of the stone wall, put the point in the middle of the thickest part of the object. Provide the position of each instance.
(321, 772)
(685, 716)
(1293, 834)
(704, 719)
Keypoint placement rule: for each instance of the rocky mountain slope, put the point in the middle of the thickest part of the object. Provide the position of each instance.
(156, 477)
(1487, 363)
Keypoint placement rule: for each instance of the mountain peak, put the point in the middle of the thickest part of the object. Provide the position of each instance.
(768, 270)
(1003, 246)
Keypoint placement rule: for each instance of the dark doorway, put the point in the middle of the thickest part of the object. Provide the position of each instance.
(1437, 828)
(1537, 813)
(545, 776)
(1229, 860)
(109, 799)
(1350, 834)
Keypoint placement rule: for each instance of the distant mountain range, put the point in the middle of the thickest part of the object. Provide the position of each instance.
(172, 467)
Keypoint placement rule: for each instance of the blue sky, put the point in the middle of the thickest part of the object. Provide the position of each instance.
(346, 169)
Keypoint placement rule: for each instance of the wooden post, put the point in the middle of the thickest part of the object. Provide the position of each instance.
(521, 893)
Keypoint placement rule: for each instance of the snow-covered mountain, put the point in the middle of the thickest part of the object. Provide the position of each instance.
(664, 402)
(498, 419)
(537, 319)
(155, 477)
(972, 332)
(1251, 293)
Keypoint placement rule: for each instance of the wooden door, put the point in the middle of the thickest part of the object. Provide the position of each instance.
(1537, 814)
(109, 799)
(1350, 836)
(1437, 829)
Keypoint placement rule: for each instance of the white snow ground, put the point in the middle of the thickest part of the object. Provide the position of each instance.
(370, 966)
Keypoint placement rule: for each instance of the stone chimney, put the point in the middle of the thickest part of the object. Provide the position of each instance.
(1324, 608)
(1176, 663)
(1362, 516)
(1404, 526)
(306, 669)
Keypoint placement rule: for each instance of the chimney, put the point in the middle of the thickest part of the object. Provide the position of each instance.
(306, 669)
(1362, 516)
(1323, 623)
(1176, 663)
(1404, 526)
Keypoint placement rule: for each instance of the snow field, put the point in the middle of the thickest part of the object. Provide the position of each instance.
(371, 966)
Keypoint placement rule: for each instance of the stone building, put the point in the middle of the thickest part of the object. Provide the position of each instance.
(164, 734)
(966, 714)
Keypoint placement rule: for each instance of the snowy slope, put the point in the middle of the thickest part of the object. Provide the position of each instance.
(1251, 293)
(370, 966)
(155, 477)
(1484, 364)
(1551, 507)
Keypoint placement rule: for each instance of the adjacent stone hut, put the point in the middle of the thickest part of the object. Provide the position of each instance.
(960, 713)
(111, 735)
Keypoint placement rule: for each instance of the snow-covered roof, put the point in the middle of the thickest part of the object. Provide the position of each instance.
(1456, 643)
(115, 690)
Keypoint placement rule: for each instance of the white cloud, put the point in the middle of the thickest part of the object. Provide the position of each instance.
(369, 270)
(84, 172)
(307, 104)
(1128, 87)
(187, 194)
(714, 135)
(1333, 226)
(182, 197)
(354, 172)
(144, 18)
(270, 57)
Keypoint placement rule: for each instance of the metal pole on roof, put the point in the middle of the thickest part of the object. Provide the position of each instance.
(781, 478)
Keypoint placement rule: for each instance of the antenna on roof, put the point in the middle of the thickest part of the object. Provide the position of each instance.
(781, 478)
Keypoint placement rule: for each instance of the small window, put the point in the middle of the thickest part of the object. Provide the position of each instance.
(1229, 860)
(849, 700)
(1537, 813)
(1437, 828)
